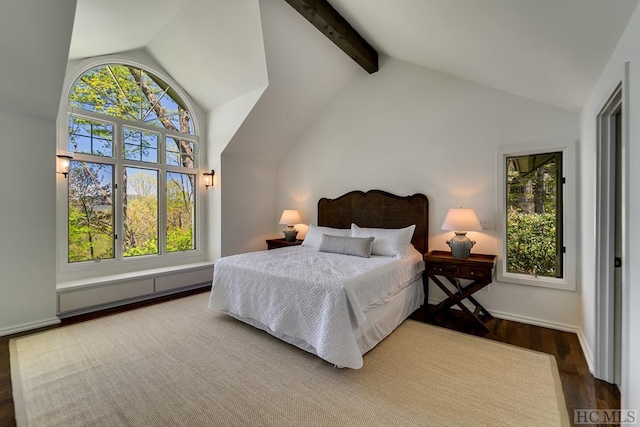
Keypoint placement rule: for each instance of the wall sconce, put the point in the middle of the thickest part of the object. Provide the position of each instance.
(64, 163)
(208, 178)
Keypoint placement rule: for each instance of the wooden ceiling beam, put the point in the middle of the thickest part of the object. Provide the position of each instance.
(330, 23)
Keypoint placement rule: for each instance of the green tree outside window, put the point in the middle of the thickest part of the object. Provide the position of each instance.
(106, 151)
(534, 214)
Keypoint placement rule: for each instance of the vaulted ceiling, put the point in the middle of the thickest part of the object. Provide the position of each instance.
(551, 51)
(213, 48)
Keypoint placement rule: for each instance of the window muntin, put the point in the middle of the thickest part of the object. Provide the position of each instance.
(127, 131)
(534, 214)
(91, 216)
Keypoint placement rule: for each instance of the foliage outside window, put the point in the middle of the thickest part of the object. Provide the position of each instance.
(534, 215)
(132, 182)
(91, 220)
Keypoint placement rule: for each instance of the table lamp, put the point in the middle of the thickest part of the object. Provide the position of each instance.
(290, 217)
(461, 220)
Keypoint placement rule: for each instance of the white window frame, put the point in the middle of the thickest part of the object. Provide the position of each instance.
(120, 264)
(568, 149)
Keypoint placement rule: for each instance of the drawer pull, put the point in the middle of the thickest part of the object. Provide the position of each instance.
(472, 273)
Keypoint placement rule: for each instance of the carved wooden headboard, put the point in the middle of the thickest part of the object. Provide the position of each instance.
(378, 209)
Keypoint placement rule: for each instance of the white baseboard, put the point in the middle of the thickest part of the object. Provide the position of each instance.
(588, 353)
(535, 321)
(29, 326)
(586, 350)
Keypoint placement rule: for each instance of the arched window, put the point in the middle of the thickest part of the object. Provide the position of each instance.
(133, 177)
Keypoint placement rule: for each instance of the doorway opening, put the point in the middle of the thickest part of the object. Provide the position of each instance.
(610, 239)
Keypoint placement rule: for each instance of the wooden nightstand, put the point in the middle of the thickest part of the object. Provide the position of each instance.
(281, 243)
(478, 268)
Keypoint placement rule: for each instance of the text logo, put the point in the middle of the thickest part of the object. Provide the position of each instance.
(605, 416)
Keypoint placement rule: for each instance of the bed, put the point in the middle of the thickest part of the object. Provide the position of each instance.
(335, 306)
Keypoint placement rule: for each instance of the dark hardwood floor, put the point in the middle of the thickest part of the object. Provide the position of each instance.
(581, 389)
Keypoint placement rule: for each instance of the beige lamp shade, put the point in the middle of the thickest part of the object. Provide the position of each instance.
(461, 219)
(290, 217)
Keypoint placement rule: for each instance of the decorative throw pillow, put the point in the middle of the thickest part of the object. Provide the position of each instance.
(357, 246)
(314, 234)
(388, 241)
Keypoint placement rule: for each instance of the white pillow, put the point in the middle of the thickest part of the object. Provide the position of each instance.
(314, 234)
(388, 241)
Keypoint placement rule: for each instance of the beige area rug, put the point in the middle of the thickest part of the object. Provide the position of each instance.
(182, 364)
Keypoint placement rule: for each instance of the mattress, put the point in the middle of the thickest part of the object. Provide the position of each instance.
(316, 300)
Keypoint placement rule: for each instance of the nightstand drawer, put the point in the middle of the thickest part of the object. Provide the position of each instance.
(443, 270)
(465, 272)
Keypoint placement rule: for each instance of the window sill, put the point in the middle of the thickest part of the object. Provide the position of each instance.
(538, 281)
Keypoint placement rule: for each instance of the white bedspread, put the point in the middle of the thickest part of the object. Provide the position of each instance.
(317, 297)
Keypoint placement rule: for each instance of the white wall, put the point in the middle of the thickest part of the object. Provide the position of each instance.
(223, 122)
(408, 129)
(628, 50)
(248, 193)
(34, 44)
(305, 72)
(27, 223)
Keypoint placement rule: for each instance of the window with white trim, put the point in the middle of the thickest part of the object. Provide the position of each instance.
(133, 178)
(537, 226)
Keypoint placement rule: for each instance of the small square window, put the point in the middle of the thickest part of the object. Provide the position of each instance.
(90, 137)
(180, 152)
(140, 145)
